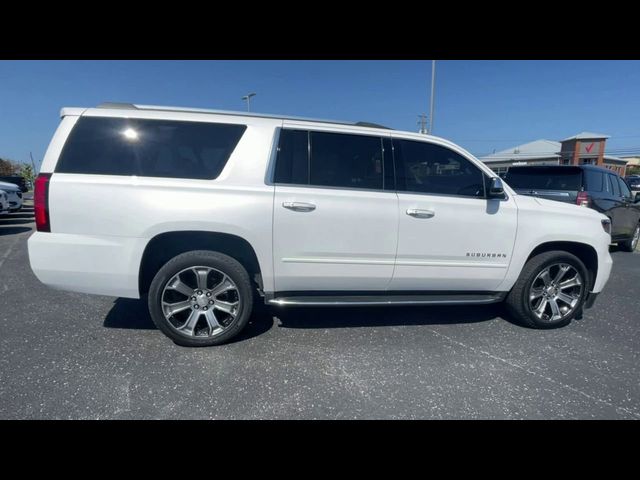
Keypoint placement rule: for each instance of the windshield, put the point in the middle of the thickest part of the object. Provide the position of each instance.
(544, 178)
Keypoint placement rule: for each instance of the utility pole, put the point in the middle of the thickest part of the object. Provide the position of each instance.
(433, 86)
(423, 123)
(33, 165)
(248, 99)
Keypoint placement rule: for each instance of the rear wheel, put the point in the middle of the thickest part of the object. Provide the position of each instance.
(631, 244)
(201, 298)
(550, 291)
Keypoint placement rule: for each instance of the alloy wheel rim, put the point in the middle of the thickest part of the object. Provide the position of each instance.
(555, 292)
(200, 301)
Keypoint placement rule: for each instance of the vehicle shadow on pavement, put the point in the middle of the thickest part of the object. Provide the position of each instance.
(128, 313)
(15, 221)
(23, 217)
(331, 317)
(12, 230)
(20, 215)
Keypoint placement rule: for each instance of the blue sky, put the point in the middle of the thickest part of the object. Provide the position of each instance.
(481, 105)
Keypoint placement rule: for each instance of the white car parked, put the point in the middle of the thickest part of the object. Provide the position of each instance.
(296, 212)
(14, 195)
(4, 202)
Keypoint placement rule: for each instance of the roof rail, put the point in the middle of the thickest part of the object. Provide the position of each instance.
(131, 106)
(372, 125)
(126, 106)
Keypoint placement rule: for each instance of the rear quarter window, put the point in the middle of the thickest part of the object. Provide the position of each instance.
(544, 178)
(595, 181)
(148, 148)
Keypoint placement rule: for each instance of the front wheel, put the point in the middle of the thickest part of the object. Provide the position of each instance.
(201, 298)
(550, 291)
(631, 244)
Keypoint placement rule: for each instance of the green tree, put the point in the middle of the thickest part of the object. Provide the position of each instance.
(7, 167)
(26, 171)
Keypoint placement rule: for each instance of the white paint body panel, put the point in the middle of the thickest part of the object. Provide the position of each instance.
(435, 253)
(541, 221)
(129, 211)
(353, 240)
(347, 243)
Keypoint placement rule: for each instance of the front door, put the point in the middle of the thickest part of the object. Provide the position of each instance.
(630, 212)
(450, 237)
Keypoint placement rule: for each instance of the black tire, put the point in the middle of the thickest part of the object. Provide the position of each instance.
(223, 263)
(628, 245)
(517, 301)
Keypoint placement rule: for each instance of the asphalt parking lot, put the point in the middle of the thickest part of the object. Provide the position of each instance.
(67, 355)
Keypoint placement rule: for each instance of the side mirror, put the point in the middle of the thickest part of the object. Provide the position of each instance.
(496, 189)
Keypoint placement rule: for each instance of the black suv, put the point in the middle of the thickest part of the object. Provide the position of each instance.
(586, 185)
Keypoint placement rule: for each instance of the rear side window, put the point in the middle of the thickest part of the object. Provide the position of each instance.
(292, 165)
(532, 178)
(148, 148)
(428, 168)
(613, 185)
(330, 160)
(340, 160)
(595, 181)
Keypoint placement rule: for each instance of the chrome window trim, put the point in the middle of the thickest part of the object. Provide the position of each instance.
(322, 187)
(269, 177)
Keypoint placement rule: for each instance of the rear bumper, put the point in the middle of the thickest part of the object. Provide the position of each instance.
(100, 265)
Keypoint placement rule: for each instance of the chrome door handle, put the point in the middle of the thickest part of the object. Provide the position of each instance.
(417, 213)
(299, 206)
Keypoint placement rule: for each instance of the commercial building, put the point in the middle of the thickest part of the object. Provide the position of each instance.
(633, 164)
(585, 148)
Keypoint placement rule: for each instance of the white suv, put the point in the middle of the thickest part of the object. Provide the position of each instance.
(205, 212)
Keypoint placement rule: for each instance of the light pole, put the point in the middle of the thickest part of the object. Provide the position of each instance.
(433, 86)
(248, 99)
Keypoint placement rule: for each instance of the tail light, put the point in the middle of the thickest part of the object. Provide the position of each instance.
(41, 202)
(582, 199)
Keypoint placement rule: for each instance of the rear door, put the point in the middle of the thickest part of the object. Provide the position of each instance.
(598, 189)
(553, 183)
(451, 238)
(335, 213)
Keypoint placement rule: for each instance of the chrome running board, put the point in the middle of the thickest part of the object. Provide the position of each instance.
(370, 300)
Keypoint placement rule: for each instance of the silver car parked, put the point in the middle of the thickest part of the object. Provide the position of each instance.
(4, 203)
(14, 195)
